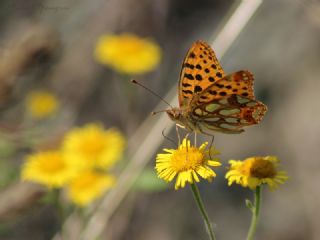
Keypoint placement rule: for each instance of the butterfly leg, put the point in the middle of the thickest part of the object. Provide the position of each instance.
(168, 138)
(187, 146)
(187, 135)
(212, 139)
(178, 135)
(210, 146)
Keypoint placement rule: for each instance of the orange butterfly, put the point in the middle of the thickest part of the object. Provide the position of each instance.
(211, 101)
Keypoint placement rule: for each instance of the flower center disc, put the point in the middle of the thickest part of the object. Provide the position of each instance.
(53, 165)
(93, 145)
(186, 159)
(262, 169)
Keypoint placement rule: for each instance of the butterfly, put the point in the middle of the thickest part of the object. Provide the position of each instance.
(211, 101)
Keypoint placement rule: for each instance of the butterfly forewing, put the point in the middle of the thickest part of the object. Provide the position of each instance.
(199, 70)
(239, 83)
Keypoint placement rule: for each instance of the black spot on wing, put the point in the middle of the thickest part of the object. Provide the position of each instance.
(218, 74)
(186, 85)
(189, 76)
(187, 91)
(198, 66)
(212, 92)
(188, 65)
(198, 77)
(197, 89)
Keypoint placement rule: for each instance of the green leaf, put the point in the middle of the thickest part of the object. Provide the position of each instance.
(50, 197)
(8, 172)
(7, 149)
(249, 204)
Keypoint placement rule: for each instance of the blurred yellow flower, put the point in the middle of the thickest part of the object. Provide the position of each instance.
(49, 168)
(186, 162)
(255, 171)
(93, 147)
(89, 186)
(127, 53)
(41, 104)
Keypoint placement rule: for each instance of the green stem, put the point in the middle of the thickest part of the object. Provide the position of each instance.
(255, 213)
(59, 208)
(203, 211)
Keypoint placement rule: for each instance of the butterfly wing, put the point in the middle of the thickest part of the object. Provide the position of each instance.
(240, 83)
(199, 70)
(228, 105)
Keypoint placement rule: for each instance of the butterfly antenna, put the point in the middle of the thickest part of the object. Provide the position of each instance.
(154, 113)
(149, 90)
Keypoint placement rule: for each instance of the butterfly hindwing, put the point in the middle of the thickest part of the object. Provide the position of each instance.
(228, 114)
(199, 70)
(228, 105)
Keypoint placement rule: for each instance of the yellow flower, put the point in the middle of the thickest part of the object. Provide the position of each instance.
(49, 168)
(127, 53)
(41, 104)
(186, 162)
(255, 171)
(89, 186)
(93, 147)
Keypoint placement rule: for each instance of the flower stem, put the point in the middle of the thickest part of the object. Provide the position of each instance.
(59, 209)
(255, 213)
(203, 211)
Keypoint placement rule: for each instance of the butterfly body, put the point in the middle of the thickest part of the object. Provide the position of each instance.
(182, 118)
(209, 100)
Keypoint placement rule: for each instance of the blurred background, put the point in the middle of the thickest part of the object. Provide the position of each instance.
(54, 46)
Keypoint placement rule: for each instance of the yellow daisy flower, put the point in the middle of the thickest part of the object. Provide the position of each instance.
(89, 186)
(127, 53)
(41, 104)
(186, 162)
(93, 147)
(49, 168)
(255, 171)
